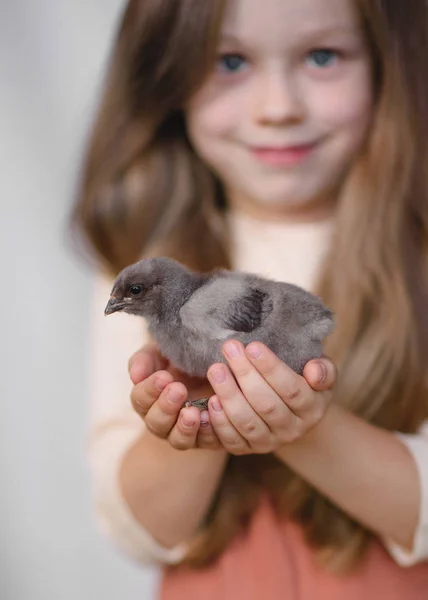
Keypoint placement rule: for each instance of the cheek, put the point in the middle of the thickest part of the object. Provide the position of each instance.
(207, 124)
(213, 114)
(348, 108)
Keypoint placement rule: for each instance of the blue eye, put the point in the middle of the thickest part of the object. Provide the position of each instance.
(231, 63)
(322, 57)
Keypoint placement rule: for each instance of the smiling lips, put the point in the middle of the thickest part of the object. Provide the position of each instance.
(282, 156)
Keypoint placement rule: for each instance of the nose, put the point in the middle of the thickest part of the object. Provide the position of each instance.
(278, 99)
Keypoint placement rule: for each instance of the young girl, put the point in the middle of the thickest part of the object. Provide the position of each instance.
(287, 138)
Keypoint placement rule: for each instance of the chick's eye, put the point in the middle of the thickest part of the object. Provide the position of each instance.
(231, 63)
(322, 57)
(135, 289)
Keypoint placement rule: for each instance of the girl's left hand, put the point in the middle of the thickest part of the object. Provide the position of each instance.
(268, 405)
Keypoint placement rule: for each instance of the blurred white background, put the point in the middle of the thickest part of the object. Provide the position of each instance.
(51, 62)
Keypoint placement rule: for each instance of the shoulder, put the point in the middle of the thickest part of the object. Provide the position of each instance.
(423, 430)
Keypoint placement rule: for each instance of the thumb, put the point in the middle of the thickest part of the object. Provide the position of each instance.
(144, 362)
(320, 373)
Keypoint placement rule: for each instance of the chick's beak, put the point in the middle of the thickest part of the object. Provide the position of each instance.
(113, 305)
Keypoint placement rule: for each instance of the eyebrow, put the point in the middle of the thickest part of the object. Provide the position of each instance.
(329, 30)
(310, 33)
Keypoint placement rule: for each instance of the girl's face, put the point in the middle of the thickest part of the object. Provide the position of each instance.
(288, 105)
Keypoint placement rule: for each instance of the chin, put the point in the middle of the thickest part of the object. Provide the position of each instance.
(284, 198)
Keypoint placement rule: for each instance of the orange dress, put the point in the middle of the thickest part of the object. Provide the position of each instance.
(273, 562)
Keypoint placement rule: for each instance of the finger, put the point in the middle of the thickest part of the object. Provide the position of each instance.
(184, 433)
(260, 395)
(290, 387)
(229, 437)
(206, 437)
(237, 408)
(321, 374)
(205, 418)
(163, 415)
(144, 362)
(145, 393)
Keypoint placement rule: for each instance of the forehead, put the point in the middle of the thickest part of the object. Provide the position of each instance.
(276, 22)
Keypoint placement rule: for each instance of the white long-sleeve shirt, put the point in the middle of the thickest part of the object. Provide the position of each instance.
(284, 252)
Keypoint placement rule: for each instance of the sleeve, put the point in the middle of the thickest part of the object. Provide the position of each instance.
(114, 426)
(418, 447)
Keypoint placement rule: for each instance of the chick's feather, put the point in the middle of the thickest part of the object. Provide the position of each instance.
(191, 315)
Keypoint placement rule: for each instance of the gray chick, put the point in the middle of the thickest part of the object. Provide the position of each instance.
(191, 315)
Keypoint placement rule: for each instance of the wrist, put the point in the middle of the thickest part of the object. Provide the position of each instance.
(317, 436)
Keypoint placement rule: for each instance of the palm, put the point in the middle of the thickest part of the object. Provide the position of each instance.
(197, 387)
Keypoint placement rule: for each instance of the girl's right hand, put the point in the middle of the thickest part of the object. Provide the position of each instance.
(158, 396)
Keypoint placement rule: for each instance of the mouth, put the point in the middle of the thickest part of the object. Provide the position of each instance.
(114, 305)
(283, 156)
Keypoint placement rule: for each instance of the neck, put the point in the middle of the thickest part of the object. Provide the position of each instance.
(164, 301)
(320, 209)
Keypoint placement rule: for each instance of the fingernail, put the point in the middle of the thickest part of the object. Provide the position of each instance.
(160, 384)
(133, 371)
(215, 403)
(254, 351)
(173, 396)
(232, 349)
(188, 422)
(205, 418)
(321, 373)
(219, 374)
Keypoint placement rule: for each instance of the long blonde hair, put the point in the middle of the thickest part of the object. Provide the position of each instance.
(144, 190)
